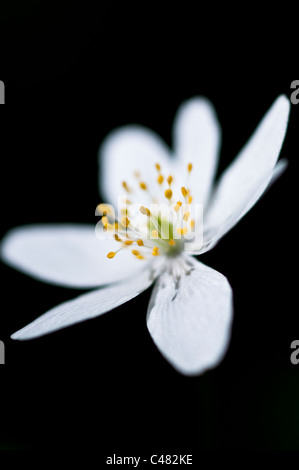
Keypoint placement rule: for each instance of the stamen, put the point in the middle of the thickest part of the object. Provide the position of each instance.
(186, 216)
(104, 209)
(155, 251)
(128, 242)
(169, 180)
(125, 221)
(111, 254)
(160, 179)
(177, 206)
(184, 191)
(104, 220)
(143, 186)
(145, 211)
(168, 194)
(127, 232)
(126, 187)
(182, 231)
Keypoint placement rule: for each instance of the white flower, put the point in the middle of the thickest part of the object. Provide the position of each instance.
(190, 312)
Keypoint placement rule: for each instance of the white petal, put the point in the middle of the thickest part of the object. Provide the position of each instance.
(68, 255)
(125, 151)
(87, 306)
(190, 319)
(211, 236)
(251, 171)
(279, 169)
(197, 138)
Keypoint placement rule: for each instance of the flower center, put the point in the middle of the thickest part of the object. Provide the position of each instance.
(161, 227)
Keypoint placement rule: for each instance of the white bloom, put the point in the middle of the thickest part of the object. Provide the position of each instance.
(190, 312)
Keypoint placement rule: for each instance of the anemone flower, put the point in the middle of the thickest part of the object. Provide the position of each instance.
(190, 312)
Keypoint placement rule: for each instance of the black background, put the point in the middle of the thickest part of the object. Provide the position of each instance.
(71, 76)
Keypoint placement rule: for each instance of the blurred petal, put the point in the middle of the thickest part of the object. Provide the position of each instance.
(125, 151)
(247, 177)
(68, 255)
(190, 318)
(197, 137)
(87, 306)
(279, 170)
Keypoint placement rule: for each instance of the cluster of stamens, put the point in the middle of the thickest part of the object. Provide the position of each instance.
(147, 230)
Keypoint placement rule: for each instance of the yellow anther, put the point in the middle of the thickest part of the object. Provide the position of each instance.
(182, 231)
(124, 221)
(105, 225)
(143, 185)
(155, 233)
(104, 220)
(189, 200)
(139, 242)
(140, 257)
(184, 191)
(136, 252)
(169, 180)
(189, 167)
(160, 179)
(111, 254)
(171, 242)
(126, 187)
(158, 167)
(178, 206)
(155, 251)
(168, 193)
(145, 211)
(116, 225)
(192, 223)
(104, 209)
(128, 242)
(124, 211)
(117, 238)
(186, 216)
